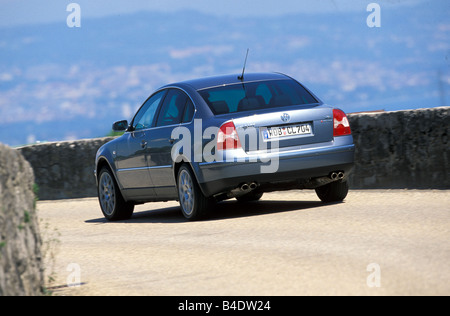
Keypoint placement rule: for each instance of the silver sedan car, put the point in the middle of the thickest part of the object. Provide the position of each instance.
(206, 140)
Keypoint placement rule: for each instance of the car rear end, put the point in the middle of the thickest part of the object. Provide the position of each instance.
(274, 135)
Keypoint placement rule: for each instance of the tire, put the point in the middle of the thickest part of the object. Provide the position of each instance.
(194, 205)
(113, 206)
(250, 197)
(333, 192)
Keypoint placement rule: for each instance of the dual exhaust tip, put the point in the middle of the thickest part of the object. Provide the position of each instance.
(248, 186)
(242, 189)
(337, 175)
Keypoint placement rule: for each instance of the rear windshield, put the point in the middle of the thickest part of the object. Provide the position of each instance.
(255, 96)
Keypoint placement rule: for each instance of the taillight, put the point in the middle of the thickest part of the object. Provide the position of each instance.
(228, 137)
(341, 124)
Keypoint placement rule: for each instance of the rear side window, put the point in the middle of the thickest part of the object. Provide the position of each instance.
(172, 109)
(189, 111)
(255, 96)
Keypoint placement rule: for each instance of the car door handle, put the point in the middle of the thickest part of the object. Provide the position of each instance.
(144, 144)
(172, 141)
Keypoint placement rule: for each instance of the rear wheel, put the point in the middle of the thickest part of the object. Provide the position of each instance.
(194, 205)
(113, 205)
(333, 192)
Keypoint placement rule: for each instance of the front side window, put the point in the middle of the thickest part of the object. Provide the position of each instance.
(146, 115)
(255, 96)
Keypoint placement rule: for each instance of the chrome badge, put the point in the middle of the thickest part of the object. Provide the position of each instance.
(285, 117)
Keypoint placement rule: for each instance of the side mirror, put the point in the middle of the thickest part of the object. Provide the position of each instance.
(120, 126)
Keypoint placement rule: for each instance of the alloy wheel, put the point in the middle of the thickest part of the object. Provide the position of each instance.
(107, 193)
(186, 192)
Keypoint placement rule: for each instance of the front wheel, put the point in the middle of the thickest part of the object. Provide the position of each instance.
(113, 205)
(194, 205)
(333, 192)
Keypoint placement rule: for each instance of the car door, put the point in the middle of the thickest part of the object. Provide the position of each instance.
(173, 112)
(133, 153)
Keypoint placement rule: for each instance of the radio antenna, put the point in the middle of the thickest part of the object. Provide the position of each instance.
(241, 77)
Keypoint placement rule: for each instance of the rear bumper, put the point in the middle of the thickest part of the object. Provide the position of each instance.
(270, 172)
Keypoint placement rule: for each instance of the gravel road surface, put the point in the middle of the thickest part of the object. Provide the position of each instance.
(382, 242)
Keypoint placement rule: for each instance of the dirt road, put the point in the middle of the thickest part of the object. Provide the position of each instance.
(375, 243)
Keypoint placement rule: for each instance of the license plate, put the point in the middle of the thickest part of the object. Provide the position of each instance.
(286, 131)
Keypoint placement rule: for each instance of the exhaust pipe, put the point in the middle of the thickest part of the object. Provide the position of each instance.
(248, 187)
(242, 189)
(337, 175)
(245, 187)
(334, 176)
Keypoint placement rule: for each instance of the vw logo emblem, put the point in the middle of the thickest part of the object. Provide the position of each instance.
(285, 117)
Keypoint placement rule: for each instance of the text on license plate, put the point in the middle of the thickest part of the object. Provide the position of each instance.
(285, 131)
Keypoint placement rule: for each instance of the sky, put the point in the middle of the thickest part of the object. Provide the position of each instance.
(403, 64)
(26, 12)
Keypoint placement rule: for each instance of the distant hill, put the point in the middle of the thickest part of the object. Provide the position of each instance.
(61, 83)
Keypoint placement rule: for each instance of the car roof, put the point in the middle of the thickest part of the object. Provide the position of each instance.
(209, 82)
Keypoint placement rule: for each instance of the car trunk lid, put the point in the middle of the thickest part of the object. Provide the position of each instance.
(292, 127)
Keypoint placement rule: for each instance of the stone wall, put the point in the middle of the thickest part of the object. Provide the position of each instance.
(21, 267)
(64, 170)
(403, 149)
